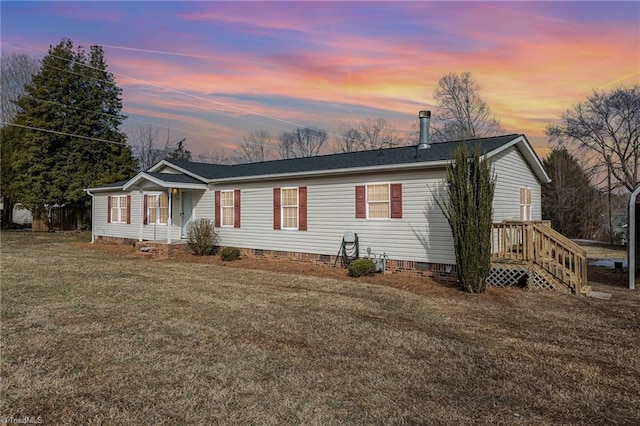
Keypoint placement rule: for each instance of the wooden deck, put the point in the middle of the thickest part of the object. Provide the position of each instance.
(547, 258)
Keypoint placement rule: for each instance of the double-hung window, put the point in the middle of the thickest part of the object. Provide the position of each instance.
(156, 208)
(226, 207)
(379, 201)
(119, 209)
(289, 208)
(525, 203)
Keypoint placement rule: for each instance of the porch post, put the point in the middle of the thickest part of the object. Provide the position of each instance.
(141, 216)
(170, 213)
(631, 239)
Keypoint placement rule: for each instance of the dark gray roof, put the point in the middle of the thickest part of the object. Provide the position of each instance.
(206, 170)
(115, 185)
(173, 177)
(378, 157)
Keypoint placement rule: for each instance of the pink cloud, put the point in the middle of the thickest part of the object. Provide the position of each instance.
(531, 67)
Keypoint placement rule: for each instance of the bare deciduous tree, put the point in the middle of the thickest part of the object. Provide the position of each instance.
(217, 157)
(146, 146)
(256, 147)
(462, 112)
(16, 70)
(302, 142)
(377, 133)
(372, 133)
(350, 140)
(605, 128)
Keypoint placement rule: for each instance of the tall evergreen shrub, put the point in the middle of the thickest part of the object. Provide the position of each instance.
(469, 209)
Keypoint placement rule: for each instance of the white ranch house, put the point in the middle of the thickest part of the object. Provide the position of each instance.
(302, 207)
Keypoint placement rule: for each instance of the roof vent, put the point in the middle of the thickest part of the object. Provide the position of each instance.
(425, 117)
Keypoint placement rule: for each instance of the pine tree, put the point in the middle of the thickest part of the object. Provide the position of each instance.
(73, 94)
(471, 185)
(565, 198)
(181, 152)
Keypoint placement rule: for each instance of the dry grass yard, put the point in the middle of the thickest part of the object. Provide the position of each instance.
(94, 335)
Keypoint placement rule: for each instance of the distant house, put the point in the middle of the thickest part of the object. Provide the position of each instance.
(302, 207)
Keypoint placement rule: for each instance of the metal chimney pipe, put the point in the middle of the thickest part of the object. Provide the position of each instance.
(425, 117)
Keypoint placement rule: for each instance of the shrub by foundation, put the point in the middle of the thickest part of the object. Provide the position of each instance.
(360, 267)
(201, 236)
(229, 254)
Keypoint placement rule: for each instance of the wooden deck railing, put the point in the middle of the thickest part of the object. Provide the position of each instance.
(547, 248)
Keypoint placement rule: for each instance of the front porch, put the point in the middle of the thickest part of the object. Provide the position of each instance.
(167, 204)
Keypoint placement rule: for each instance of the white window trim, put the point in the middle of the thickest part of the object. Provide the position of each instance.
(525, 208)
(282, 206)
(366, 200)
(120, 218)
(233, 207)
(157, 208)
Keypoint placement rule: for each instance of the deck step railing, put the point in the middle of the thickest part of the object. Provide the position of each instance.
(537, 242)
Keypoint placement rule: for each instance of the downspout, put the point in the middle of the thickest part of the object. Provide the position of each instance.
(169, 221)
(141, 216)
(92, 218)
(631, 240)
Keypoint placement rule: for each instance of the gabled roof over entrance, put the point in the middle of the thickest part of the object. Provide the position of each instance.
(162, 180)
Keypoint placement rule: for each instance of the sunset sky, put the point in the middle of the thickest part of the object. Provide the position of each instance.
(215, 71)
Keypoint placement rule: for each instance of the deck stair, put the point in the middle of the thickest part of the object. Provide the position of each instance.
(534, 254)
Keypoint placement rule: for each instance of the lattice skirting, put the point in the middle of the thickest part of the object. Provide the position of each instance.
(508, 274)
(539, 281)
(505, 277)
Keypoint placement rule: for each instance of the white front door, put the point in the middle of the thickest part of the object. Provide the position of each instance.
(186, 212)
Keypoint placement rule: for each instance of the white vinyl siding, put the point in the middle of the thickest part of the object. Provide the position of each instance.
(512, 173)
(422, 234)
(115, 229)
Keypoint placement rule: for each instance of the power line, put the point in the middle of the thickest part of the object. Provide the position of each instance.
(193, 96)
(274, 144)
(115, 115)
(64, 134)
(141, 121)
(164, 98)
(180, 93)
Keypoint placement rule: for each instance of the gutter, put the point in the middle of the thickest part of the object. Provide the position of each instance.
(92, 217)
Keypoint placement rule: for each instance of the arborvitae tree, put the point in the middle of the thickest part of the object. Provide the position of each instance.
(469, 210)
(73, 94)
